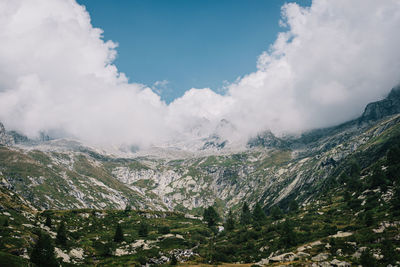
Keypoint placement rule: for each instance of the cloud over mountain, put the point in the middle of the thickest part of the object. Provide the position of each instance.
(57, 75)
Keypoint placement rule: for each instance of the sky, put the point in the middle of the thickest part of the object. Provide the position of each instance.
(177, 45)
(64, 73)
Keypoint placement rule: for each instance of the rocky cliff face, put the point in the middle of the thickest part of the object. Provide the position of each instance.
(5, 139)
(386, 107)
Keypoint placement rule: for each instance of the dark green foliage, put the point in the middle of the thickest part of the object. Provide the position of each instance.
(43, 252)
(128, 208)
(119, 235)
(174, 261)
(389, 254)
(9, 260)
(378, 179)
(61, 237)
(259, 214)
(210, 216)
(393, 161)
(355, 170)
(5, 223)
(393, 155)
(230, 222)
(346, 196)
(293, 206)
(143, 229)
(354, 203)
(48, 221)
(396, 202)
(142, 260)
(368, 218)
(245, 216)
(164, 230)
(288, 236)
(276, 213)
(353, 182)
(104, 249)
(367, 260)
(343, 178)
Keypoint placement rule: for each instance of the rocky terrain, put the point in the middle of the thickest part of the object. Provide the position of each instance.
(343, 181)
(64, 174)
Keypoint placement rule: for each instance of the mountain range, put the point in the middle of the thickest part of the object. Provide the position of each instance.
(62, 175)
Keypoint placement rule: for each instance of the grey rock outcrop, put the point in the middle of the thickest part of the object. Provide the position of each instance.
(5, 139)
(388, 106)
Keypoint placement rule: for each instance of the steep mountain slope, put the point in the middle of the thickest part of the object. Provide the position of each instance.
(332, 197)
(65, 174)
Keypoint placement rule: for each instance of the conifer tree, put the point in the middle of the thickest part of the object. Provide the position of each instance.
(128, 208)
(276, 213)
(143, 230)
(48, 221)
(43, 252)
(367, 260)
(288, 237)
(61, 237)
(174, 260)
(393, 161)
(119, 235)
(210, 216)
(230, 222)
(293, 206)
(259, 214)
(396, 202)
(368, 218)
(378, 178)
(245, 217)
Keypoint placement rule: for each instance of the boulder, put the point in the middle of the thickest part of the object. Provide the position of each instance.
(290, 256)
(320, 257)
(339, 263)
(303, 255)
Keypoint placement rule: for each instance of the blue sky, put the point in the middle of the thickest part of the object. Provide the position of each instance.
(196, 43)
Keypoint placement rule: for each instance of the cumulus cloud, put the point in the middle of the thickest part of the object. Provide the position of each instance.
(335, 58)
(57, 75)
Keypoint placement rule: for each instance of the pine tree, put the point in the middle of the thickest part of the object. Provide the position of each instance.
(367, 260)
(128, 208)
(393, 161)
(293, 206)
(288, 237)
(355, 170)
(61, 237)
(119, 235)
(393, 155)
(396, 202)
(48, 221)
(259, 214)
(368, 218)
(174, 261)
(210, 216)
(230, 222)
(143, 230)
(245, 217)
(5, 223)
(378, 178)
(43, 252)
(276, 213)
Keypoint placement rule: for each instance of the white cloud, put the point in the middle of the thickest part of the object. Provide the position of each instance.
(335, 58)
(57, 75)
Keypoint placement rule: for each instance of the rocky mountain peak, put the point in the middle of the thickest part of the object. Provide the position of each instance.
(386, 107)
